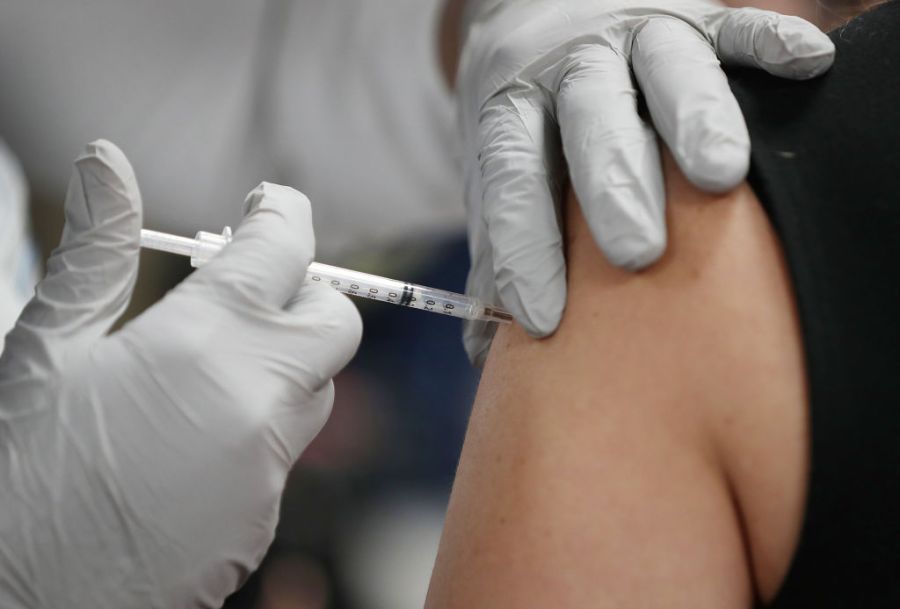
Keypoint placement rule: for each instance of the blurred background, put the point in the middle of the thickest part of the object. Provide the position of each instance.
(342, 100)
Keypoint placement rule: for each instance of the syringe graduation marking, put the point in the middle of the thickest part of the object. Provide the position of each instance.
(205, 246)
(406, 299)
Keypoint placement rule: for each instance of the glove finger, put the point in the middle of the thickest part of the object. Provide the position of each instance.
(318, 335)
(477, 339)
(478, 335)
(613, 157)
(91, 275)
(691, 103)
(782, 45)
(302, 350)
(520, 171)
(295, 426)
(266, 262)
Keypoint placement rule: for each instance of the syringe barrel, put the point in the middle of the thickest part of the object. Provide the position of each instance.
(164, 242)
(204, 246)
(392, 291)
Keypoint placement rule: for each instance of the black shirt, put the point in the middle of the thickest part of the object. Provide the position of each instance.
(826, 166)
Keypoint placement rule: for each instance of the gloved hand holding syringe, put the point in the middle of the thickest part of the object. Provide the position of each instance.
(205, 245)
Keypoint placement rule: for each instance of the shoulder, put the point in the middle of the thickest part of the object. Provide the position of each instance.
(706, 346)
(652, 444)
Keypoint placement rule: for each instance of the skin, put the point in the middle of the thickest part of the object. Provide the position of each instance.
(654, 451)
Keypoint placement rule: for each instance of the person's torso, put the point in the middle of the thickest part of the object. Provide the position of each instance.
(826, 156)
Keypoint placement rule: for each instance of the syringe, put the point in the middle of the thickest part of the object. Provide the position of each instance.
(206, 245)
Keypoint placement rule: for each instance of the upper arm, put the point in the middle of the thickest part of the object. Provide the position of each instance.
(651, 453)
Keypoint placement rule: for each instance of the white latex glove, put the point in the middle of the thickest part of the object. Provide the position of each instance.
(145, 468)
(18, 256)
(540, 80)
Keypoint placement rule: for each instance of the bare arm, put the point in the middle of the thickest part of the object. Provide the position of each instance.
(652, 453)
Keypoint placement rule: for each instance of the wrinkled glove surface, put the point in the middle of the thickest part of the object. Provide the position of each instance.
(144, 468)
(548, 91)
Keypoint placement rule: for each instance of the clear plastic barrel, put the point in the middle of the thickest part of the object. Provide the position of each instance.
(403, 293)
(204, 246)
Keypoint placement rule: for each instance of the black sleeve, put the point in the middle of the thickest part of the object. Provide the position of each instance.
(826, 167)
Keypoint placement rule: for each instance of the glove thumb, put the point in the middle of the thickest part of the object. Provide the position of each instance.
(91, 275)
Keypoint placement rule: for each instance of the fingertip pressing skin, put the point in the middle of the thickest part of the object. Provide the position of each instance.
(538, 311)
(636, 253)
(702, 124)
(627, 220)
(477, 338)
(716, 167)
(531, 281)
(613, 156)
(529, 275)
(520, 213)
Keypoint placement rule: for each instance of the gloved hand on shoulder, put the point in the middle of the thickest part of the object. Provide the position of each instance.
(548, 91)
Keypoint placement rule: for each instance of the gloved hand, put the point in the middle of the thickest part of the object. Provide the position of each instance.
(539, 79)
(145, 468)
